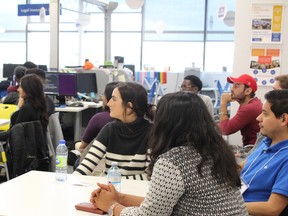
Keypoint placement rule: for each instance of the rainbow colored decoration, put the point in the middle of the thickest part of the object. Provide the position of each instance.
(151, 75)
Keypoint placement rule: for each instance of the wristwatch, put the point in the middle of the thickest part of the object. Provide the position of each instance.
(111, 209)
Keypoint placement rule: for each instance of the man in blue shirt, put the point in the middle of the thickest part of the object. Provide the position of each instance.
(264, 175)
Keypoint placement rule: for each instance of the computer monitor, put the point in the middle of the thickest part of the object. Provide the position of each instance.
(8, 70)
(67, 84)
(51, 84)
(86, 83)
(43, 67)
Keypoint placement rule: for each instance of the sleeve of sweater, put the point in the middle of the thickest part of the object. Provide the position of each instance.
(165, 189)
(93, 128)
(95, 154)
(242, 118)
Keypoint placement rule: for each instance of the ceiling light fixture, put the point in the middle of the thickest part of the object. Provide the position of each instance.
(42, 14)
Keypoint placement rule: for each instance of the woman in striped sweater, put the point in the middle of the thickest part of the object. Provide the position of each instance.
(125, 139)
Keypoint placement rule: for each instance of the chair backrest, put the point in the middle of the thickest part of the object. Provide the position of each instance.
(55, 129)
(54, 134)
(6, 110)
(28, 148)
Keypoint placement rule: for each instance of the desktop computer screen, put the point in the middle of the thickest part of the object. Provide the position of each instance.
(8, 70)
(51, 84)
(86, 83)
(67, 84)
(43, 67)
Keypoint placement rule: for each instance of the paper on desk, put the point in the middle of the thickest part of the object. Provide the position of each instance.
(82, 184)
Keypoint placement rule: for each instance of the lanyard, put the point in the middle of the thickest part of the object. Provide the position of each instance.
(262, 166)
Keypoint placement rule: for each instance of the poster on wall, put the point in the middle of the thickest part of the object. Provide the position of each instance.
(266, 23)
(265, 65)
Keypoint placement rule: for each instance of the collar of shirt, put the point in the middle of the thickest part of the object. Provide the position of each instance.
(267, 141)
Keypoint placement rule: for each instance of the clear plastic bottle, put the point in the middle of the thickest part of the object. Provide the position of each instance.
(61, 161)
(114, 176)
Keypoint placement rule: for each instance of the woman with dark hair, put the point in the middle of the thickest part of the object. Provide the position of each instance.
(126, 139)
(99, 120)
(42, 75)
(34, 107)
(193, 169)
(96, 123)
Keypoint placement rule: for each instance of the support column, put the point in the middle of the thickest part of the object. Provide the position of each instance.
(54, 34)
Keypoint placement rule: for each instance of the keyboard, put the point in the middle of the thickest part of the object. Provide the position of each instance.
(75, 104)
(82, 104)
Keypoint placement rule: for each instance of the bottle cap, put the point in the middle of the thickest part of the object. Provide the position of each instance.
(114, 163)
(62, 142)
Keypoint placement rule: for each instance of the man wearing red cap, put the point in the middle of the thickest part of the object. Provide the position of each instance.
(243, 91)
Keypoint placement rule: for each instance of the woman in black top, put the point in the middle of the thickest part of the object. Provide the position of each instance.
(35, 106)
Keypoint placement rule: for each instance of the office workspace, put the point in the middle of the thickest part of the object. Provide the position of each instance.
(70, 92)
(46, 197)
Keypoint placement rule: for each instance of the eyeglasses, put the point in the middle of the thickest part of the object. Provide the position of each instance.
(184, 87)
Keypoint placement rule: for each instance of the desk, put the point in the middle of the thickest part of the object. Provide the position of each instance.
(78, 115)
(77, 118)
(4, 121)
(88, 104)
(38, 194)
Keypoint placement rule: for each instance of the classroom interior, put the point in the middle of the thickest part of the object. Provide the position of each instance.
(207, 43)
(158, 42)
(151, 46)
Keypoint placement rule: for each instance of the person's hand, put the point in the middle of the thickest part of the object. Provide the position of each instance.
(97, 191)
(93, 195)
(104, 197)
(226, 97)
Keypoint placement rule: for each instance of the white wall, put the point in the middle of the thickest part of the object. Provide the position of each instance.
(243, 17)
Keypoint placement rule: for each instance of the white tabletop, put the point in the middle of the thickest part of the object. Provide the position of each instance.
(70, 109)
(4, 121)
(88, 104)
(38, 194)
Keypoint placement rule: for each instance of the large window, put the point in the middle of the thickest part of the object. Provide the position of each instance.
(163, 34)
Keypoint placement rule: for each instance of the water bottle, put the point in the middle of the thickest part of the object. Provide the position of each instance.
(114, 176)
(61, 161)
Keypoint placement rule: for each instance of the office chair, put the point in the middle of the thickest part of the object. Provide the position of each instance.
(3, 160)
(27, 148)
(54, 135)
(6, 110)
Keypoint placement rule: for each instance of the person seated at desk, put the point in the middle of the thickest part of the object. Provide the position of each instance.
(19, 72)
(193, 84)
(30, 65)
(243, 90)
(124, 140)
(34, 104)
(42, 75)
(96, 123)
(87, 65)
(194, 171)
(264, 173)
(12, 97)
(281, 82)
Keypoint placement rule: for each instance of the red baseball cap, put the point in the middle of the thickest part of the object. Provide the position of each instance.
(245, 79)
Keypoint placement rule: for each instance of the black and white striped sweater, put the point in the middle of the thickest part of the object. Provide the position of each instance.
(125, 143)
